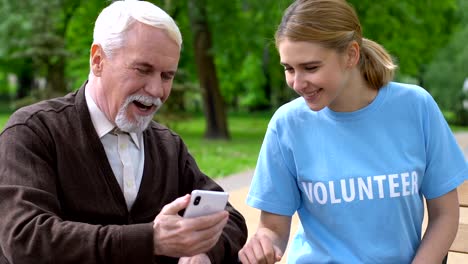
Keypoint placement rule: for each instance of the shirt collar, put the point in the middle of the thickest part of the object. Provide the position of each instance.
(100, 122)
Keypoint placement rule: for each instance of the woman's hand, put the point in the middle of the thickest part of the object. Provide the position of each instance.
(260, 249)
(269, 242)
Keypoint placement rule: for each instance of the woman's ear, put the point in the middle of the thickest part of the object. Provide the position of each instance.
(353, 54)
(96, 59)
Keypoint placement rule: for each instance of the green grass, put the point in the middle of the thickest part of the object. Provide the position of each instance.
(218, 158)
(458, 128)
(3, 120)
(5, 113)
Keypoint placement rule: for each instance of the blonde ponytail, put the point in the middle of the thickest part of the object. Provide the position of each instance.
(376, 64)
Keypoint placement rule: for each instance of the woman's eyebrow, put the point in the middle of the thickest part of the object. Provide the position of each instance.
(303, 63)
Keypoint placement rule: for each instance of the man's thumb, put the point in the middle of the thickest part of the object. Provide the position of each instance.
(177, 205)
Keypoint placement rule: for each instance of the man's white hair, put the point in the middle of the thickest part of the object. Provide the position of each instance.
(114, 20)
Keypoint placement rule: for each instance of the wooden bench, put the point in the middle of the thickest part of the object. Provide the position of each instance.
(460, 245)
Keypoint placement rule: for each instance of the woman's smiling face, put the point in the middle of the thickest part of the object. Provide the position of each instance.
(316, 73)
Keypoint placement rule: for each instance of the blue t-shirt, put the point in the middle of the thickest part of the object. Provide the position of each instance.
(357, 179)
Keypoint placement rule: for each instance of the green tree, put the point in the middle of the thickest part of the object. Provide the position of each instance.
(214, 108)
(447, 72)
(412, 31)
(79, 38)
(22, 68)
(39, 35)
(245, 59)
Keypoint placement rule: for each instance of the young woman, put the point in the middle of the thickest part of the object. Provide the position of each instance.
(354, 155)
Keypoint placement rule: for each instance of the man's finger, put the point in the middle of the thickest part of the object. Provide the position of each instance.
(208, 221)
(177, 205)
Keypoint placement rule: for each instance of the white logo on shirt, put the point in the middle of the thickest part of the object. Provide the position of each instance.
(362, 188)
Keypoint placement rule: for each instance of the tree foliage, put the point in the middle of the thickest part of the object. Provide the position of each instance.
(214, 108)
(412, 31)
(447, 72)
(246, 56)
(79, 38)
(35, 31)
(428, 39)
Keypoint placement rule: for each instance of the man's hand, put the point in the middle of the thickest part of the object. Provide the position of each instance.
(197, 259)
(175, 236)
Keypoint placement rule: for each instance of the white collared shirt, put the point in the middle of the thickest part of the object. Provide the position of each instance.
(110, 142)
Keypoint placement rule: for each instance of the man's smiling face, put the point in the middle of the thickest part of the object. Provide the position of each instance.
(137, 77)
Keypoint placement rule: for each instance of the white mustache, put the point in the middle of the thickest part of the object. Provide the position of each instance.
(141, 122)
(144, 99)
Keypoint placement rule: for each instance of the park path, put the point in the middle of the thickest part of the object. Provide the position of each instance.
(238, 186)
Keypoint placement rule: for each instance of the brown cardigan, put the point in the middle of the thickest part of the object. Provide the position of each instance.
(61, 203)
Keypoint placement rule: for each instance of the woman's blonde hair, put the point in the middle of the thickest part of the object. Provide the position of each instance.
(334, 24)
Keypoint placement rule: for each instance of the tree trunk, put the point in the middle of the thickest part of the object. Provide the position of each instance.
(213, 104)
(56, 78)
(266, 73)
(25, 79)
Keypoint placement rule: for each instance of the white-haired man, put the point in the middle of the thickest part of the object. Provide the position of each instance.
(90, 178)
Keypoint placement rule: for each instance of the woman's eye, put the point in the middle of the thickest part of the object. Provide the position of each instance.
(311, 68)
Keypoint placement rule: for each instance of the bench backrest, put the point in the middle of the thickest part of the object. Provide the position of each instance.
(460, 244)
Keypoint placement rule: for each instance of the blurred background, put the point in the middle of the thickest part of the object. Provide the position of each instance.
(229, 80)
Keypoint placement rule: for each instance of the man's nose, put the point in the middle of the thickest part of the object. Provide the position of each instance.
(154, 87)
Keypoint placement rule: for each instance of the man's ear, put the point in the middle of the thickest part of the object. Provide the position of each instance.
(96, 59)
(353, 54)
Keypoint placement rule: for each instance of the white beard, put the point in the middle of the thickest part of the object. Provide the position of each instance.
(140, 123)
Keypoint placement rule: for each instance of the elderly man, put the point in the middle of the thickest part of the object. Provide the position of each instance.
(90, 178)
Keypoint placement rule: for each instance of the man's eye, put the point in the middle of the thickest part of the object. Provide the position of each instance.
(167, 76)
(142, 71)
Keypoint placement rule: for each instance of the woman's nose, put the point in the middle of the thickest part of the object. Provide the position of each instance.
(299, 82)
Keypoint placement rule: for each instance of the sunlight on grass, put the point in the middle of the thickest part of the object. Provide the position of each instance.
(218, 158)
(3, 120)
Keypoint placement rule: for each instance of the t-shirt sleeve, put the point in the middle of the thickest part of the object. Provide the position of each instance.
(446, 167)
(274, 186)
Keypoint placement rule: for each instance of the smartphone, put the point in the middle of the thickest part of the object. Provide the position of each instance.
(203, 202)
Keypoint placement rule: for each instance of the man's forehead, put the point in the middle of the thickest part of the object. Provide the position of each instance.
(157, 64)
